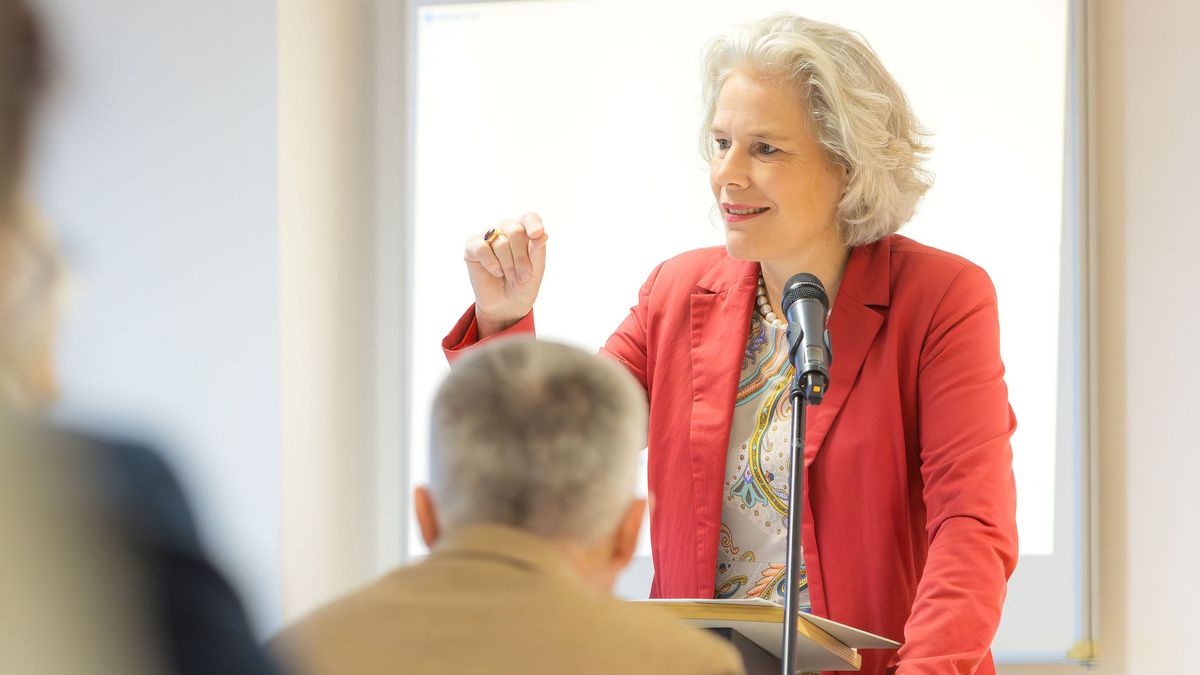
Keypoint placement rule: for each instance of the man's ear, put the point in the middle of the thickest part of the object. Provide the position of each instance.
(426, 512)
(626, 540)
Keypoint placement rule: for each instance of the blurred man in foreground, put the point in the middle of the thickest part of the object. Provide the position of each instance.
(102, 569)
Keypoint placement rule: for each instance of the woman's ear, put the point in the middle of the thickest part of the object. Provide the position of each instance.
(426, 511)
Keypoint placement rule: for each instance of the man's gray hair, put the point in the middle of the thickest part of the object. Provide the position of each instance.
(539, 436)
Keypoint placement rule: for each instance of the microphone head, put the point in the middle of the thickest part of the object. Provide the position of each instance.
(804, 286)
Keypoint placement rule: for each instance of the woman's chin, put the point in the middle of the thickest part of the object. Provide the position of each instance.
(738, 247)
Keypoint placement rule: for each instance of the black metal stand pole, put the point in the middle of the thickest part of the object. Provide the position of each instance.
(795, 555)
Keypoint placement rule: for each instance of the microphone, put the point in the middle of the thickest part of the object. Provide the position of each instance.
(806, 305)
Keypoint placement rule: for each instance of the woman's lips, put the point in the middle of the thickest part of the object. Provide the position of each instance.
(734, 213)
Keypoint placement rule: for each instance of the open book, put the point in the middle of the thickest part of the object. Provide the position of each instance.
(824, 644)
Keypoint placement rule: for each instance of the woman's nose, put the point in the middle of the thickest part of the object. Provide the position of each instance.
(731, 171)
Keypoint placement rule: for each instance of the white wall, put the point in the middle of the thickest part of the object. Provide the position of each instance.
(1149, 241)
(158, 171)
(204, 165)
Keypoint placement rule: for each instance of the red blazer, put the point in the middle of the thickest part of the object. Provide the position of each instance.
(910, 512)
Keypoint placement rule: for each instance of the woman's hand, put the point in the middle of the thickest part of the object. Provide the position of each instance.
(507, 273)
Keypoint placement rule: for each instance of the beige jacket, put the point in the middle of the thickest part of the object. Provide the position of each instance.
(495, 600)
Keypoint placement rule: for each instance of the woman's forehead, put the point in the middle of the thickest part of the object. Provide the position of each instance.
(760, 107)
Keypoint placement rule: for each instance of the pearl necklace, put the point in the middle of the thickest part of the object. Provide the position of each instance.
(764, 305)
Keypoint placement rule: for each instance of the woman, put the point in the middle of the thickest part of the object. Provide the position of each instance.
(815, 164)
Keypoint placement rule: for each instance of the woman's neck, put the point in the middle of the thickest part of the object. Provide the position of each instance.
(827, 263)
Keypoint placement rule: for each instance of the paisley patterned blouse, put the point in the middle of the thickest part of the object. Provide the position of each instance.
(752, 555)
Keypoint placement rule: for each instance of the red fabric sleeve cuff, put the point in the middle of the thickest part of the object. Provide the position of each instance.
(465, 334)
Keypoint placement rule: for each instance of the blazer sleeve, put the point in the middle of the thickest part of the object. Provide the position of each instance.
(628, 344)
(465, 334)
(965, 423)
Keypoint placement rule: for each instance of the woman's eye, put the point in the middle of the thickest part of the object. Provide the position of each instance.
(722, 143)
(767, 149)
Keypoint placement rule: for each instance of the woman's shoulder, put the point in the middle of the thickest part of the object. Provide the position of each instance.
(913, 256)
(697, 260)
(921, 272)
(710, 268)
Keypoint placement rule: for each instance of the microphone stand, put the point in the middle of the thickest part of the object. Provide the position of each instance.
(802, 388)
(806, 306)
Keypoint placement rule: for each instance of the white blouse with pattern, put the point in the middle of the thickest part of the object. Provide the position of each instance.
(752, 555)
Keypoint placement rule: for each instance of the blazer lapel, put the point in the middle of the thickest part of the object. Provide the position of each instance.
(720, 320)
(853, 325)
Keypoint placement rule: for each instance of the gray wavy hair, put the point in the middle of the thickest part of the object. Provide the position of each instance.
(860, 115)
(539, 436)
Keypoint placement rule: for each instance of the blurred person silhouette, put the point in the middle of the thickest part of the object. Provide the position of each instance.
(102, 567)
(531, 514)
(70, 603)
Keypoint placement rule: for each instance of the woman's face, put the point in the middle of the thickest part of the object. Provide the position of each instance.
(774, 183)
